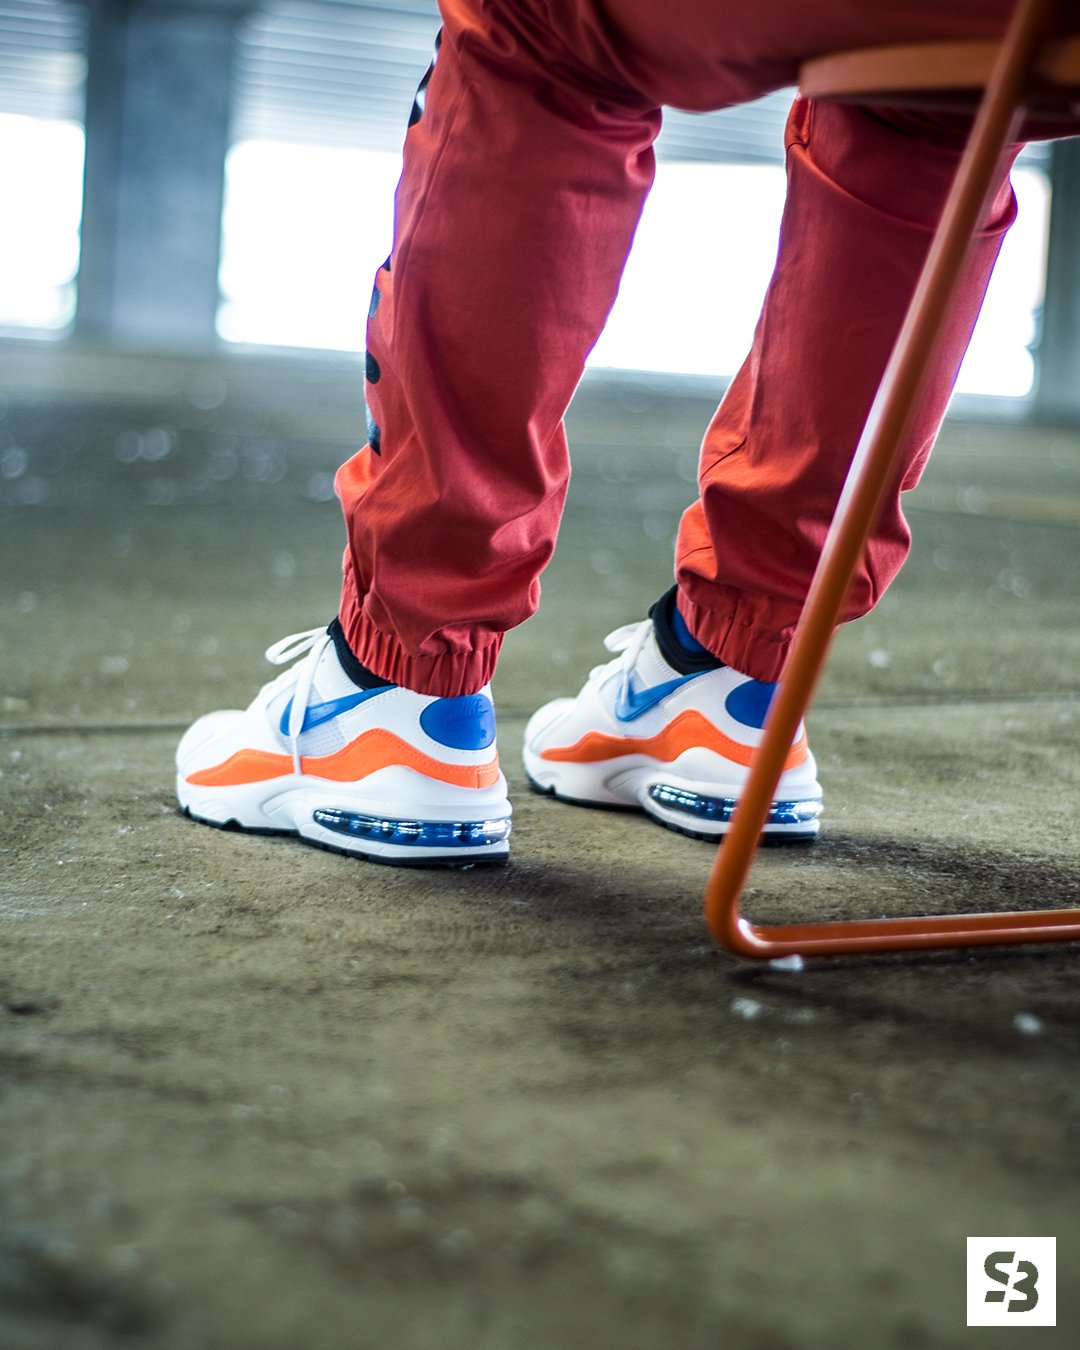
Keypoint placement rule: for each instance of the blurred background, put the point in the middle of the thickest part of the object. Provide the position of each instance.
(217, 178)
(195, 199)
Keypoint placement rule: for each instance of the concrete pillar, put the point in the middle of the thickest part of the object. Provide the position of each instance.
(158, 95)
(1057, 388)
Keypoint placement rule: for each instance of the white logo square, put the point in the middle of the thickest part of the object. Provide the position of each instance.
(1012, 1282)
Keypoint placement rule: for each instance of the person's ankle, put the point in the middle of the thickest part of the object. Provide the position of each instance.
(358, 673)
(678, 646)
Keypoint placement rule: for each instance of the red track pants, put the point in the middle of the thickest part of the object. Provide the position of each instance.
(526, 167)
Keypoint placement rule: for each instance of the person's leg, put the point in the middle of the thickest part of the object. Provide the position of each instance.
(665, 728)
(865, 190)
(524, 176)
(525, 172)
(705, 54)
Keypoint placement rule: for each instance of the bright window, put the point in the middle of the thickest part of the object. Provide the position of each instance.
(305, 228)
(701, 260)
(999, 359)
(41, 166)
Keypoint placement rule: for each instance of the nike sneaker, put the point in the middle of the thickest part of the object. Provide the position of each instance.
(346, 761)
(667, 729)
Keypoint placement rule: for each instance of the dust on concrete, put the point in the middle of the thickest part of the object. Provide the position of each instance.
(259, 1095)
(255, 1095)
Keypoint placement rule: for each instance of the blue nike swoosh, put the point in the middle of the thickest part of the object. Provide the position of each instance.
(317, 713)
(633, 702)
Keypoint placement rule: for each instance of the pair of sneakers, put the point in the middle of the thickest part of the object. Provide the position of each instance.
(348, 762)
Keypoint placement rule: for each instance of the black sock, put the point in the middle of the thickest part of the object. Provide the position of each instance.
(681, 658)
(360, 675)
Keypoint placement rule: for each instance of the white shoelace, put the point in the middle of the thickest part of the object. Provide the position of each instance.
(314, 641)
(629, 639)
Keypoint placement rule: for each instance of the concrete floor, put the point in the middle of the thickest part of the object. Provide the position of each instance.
(255, 1095)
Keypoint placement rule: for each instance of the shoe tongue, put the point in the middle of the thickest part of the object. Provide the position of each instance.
(650, 666)
(328, 682)
(330, 679)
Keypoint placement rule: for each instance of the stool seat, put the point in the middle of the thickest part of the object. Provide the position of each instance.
(943, 75)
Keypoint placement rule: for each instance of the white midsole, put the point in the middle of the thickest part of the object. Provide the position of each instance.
(289, 804)
(623, 781)
(628, 780)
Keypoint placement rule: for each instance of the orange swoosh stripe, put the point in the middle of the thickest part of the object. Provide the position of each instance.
(374, 750)
(689, 731)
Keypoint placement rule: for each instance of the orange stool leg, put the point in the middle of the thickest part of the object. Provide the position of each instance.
(874, 467)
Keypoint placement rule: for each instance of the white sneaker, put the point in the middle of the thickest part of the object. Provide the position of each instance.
(645, 736)
(380, 772)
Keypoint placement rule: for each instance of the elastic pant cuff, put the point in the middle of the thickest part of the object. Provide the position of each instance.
(745, 633)
(448, 674)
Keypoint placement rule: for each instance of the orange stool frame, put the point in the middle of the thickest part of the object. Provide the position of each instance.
(1023, 72)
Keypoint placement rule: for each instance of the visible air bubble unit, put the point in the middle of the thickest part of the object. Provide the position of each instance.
(719, 809)
(413, 833)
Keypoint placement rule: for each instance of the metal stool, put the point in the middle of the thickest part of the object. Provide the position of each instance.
(1025, 73)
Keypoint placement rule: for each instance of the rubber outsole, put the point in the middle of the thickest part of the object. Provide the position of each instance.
(767, 839)
(451, 864)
